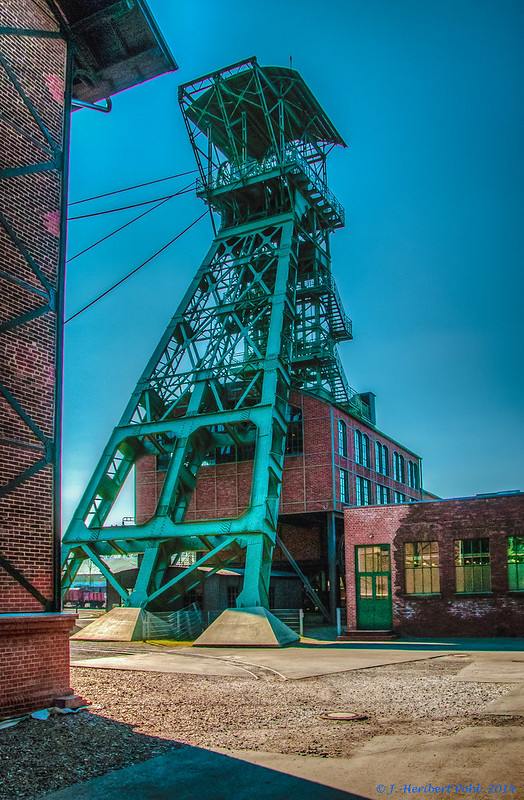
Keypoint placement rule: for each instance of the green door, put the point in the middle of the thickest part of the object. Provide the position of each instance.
(373, 587)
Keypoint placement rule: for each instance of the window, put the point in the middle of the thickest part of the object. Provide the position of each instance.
(231, 453)
(516, 563)
(413, 473)
(232, 594)
(472, 565)
(365, 450)
(381, 458)
(162, 461)
(363, 491)
(399, 497)
(361, 448)
(382, 495)
(421, 567)
(295, 432)
(342, 438)
(344, 485)
(398, 467)
(358, 447)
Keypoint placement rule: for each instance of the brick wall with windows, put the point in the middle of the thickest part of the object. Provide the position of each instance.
(332, 460)
(457, 566)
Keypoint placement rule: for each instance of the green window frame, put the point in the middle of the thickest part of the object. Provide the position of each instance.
(516, 563)
(421, 567)
(344, 485)
(342, 438)
(472, 566)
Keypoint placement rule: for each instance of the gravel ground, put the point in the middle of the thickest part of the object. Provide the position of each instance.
(144, 714)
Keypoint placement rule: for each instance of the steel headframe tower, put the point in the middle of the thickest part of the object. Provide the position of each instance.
(262, 314)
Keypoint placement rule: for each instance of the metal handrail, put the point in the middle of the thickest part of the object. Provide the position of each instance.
(229, 174)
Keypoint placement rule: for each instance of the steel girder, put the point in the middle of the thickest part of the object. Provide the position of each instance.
(261, 314)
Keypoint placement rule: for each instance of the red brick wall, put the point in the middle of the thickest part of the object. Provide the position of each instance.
(498, 613)
(308, 483)
(34, 661)
(31, 206)
(304, 543)
(34, 646)
(368, 526)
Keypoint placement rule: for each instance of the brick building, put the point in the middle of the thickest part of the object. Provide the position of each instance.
(333, 459)
(50, 52)
(440, 568)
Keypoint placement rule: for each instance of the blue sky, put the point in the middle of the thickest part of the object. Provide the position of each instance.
(429, 97)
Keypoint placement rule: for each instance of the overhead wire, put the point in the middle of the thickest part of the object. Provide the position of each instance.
(129, 188)
(186, 190)
(121, 228)
(118, 283)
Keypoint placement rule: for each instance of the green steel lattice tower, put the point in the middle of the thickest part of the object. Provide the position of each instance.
(261, 315)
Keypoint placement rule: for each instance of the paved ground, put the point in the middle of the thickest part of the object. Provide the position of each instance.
(291, 662)
(479, 761)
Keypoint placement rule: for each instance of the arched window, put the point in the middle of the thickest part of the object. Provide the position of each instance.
(381, 458)
(342, 438)
(358, 446)
(385, 460)
(398, 468)
(413, 475)
(365, 450)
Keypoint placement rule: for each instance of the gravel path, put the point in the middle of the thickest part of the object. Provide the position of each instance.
(142, 715)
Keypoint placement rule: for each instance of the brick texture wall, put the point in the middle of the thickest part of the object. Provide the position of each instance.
(448, 613)
(34, 646)
(30, 205)
(34, 661)
(310, 482)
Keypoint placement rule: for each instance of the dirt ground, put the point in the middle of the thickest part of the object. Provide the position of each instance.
(138, 715)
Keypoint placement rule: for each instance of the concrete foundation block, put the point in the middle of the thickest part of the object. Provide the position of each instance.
(247, 627)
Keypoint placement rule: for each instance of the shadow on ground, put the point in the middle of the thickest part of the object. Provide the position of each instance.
(193, 773)
(87, 757)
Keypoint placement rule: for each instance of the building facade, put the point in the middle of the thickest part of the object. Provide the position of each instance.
(441, 568)
(333, 459)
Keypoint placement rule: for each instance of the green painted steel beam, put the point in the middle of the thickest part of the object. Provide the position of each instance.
(221, 373)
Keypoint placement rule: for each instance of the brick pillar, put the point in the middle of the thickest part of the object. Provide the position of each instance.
(34, 96)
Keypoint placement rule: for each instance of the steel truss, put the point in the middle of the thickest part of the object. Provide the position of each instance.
(262, 314)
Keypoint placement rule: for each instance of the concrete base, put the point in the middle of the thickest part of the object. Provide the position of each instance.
(247, 627)
(121, 624)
